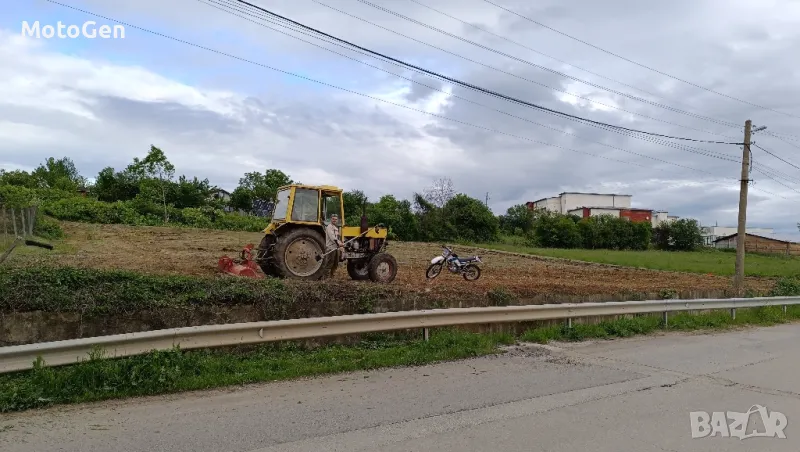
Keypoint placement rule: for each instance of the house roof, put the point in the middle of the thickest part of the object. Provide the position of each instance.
(612, 208)
(753, 235)
(576, 193)
(594, 194)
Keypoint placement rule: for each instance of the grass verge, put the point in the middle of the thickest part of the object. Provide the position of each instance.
(707, 261)
(646, 324)
(174, 371)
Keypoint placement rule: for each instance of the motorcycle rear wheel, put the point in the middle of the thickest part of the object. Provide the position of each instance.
(433, 271)
(471, 272)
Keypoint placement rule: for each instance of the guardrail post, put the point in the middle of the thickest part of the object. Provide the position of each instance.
(569, 322)
(733, 313)
(784, 309)
(426, 334)
(665, 316)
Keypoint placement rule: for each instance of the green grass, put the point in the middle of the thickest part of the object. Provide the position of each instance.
(647, 324)
(707, 261)
(174, 371)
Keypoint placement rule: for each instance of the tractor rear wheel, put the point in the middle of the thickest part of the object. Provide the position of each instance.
(382, 268)
(296, 253)
(358, 269)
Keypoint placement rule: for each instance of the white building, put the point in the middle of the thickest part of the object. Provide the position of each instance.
(567, 201)
(594, 204)
(712, 233)
(221, 194)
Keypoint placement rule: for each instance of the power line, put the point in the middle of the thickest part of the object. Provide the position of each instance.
(215, 4)
(469, 24)
(776, 181)
(462, 83)
(787, 142)
(348, 90)
(637, 63)
(488, 66)
(776, 156)
(544, 68)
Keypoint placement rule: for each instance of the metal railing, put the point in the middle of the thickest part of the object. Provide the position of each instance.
(21, 357)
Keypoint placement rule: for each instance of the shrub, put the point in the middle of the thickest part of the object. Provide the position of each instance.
(48, 228)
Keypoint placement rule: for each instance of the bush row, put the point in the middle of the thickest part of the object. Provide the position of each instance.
(139, 213)
(67, 206)
(552, 230)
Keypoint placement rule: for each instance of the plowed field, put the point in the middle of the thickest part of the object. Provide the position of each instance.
(195, 252)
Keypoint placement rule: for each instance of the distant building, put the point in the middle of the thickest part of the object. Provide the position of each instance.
(220, 194)
(593, 204)
(759, 244)
(634, 215)
(712, 233)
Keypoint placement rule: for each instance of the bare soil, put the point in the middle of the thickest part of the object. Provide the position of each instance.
(184, 251)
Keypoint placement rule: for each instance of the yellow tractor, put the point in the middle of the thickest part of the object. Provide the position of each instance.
(294, 243)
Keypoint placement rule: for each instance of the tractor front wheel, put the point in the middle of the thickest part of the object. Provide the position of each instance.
(358, 269)
(296, 255)
(382, 268)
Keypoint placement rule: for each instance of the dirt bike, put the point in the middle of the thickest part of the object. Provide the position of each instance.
(466, 267)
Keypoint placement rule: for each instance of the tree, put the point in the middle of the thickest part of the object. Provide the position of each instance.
(518, 217)
(255, 186)
(59, 174)
(471, 219)
(111, 186)
(439, 192)
(190, 193)
(156, 167)
(678, 235)
(354, 202)
(18, 178)
(554, 230)
(396, 215)
(686, 234)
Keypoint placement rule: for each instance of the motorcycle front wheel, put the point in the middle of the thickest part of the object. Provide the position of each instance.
(433, 271)
(471, 272)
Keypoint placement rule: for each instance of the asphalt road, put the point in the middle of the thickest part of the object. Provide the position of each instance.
(633, 394)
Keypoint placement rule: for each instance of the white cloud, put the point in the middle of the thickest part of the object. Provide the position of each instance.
(102, 112)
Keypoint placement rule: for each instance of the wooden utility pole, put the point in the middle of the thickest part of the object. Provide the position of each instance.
(740, 234)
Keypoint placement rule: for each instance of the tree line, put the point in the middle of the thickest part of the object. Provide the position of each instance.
(147, 192)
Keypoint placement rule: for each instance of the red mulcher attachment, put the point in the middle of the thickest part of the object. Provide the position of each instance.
(247, 267)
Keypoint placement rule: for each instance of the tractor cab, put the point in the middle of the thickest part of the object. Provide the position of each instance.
(308, 205)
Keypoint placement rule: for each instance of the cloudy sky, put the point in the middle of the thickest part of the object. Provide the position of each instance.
(104, 101)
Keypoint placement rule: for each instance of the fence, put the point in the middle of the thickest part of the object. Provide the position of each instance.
(20, 357)
(16, 222)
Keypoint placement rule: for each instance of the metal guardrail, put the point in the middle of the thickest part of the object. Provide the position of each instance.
(21, 357)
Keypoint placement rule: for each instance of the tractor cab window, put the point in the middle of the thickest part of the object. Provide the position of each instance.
(306, 205)
(281, 207)
(331, 203)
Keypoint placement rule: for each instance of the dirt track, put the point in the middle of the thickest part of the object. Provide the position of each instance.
(195, 252)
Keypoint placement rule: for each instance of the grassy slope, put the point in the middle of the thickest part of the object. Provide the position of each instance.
(714, 262)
